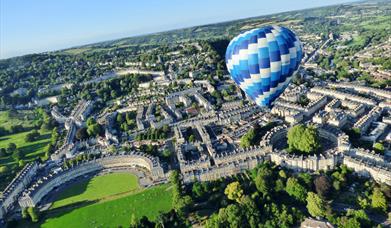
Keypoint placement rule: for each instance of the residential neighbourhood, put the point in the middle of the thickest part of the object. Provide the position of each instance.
(171, 115)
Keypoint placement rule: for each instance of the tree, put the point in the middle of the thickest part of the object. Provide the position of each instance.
(316, 206)
(112, 149)
(247, 139)
(49, 150)
(306, 179)
(16, 128)
(279, 186)
(295, 189)
(294, 136)
(166, 153)
(234, 191)
(32, 211)
(263, 180)
(94, 129)
(24, 213)
(3, 169)
(303, 139)
(197, 189)
(231, 216)
(166, 128)
(251, 211)
(11, 148)
(361, 217)
(21, 163)
(142, 223)
(54, 136)
(322, 185)
(184, 204)
(191, 138)
(134, 223)
(32, 136)
(16, 155)
(345, 222)
(120, 119)
(363, 201)
(310, 140)
(378, 147)
(379, 201)
(125, 127)
(177, 188)
(282, 174)
(169, 219)
(200, 189)
(3, 152)
(91, 121)
(29, 137)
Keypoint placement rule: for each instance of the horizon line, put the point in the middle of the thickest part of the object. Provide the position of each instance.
(171, 30)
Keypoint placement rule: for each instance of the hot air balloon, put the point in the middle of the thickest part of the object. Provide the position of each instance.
(261, 62)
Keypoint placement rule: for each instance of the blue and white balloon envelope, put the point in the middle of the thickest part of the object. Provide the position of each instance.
(261, 62)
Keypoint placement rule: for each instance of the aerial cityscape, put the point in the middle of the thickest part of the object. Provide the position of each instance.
(282, 120)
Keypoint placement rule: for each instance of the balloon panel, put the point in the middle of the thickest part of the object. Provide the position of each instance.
(261, 62)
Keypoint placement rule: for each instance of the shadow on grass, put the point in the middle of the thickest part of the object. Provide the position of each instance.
(60, 211)
(4, 138)
(33, 148)
(51, 214)
(72, 189)
(44, 136)
(5, 159)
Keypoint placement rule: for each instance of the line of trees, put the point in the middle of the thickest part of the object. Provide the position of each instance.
(154, 134)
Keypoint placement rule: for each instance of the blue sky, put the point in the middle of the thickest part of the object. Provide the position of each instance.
(31, 26)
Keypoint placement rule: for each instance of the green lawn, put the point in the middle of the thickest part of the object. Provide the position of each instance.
(113, 213)
(30, 150)
(97, 188)
(25, 118)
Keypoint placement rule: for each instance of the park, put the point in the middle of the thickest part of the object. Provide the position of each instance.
(94, 202)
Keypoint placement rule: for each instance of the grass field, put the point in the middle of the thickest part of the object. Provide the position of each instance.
(113, 213)
(30, 150)
(8, 119)
(97, 188)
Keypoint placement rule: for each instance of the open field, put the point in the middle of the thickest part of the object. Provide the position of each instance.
(113, 213)
(30, 150)
(97, 188)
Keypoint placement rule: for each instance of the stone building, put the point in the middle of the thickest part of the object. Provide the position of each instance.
(365, 121)
(368, 164)
(363, 89)
(81, 112)
(16, 187)
(344, 95)
(33, 195)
